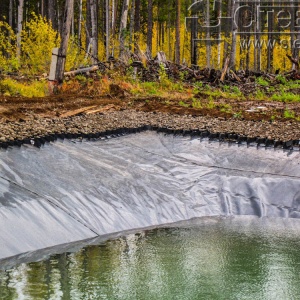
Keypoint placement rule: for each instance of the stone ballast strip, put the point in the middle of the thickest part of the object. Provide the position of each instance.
(39, 130)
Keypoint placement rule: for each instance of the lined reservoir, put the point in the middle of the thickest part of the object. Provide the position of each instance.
(80, 217)
(209, 258)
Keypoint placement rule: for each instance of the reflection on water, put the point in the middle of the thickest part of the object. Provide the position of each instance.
(240, 258)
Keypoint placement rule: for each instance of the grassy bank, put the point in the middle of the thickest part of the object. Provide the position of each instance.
(260, 98)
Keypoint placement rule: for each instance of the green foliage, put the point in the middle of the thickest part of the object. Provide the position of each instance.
(10, 87)
(211, 104)
(196, 103)
(182, 75)
(227, 108)
(182, 103)
(81, 78)
(198, 85)
(288, 114)
(226, 88)
(163, 77)
(281, 79)
(293, 84)
(237, 115)
(177, 86)
(286, 97)
(236, 91)
(260, 95)
(262, 81)
(150, 87)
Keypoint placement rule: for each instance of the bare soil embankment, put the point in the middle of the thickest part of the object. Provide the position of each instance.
(78, 116)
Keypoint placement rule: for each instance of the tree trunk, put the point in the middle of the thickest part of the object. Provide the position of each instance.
(227, 35)
(219, 15)
(123, 26)
(137, 24)
(296, 54)
(293, 37)
(257, 50)
(10, 14)
(150, 27)
(79, 22)
(177, 45)
(62, 52)
(42, 8)
(233, 39)
(208, 44)
(194, 37)
(94, 30)
(270, 42)
(88, 23)
(131, 27)
(19, 27)
(169, 29)
(114, 15)
(107, 38)
(51, 13)
(113, 24)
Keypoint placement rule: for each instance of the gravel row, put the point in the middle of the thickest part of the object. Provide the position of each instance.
(93, 124)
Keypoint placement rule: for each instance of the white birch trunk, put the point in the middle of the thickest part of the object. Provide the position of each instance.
(123, 26)
(93, 8)
(79, 22)
(19, 27)
(62, 52)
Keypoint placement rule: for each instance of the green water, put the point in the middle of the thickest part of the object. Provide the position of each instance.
(208, 259)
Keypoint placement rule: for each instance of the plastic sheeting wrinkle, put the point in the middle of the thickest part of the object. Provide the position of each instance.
(50, 201)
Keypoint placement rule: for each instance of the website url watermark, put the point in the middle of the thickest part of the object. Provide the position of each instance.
(277, 18)
(269, 43)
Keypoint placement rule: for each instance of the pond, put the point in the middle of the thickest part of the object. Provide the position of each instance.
(90, 219)
(207, 258)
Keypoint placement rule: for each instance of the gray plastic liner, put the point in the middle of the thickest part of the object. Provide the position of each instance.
(72, 191)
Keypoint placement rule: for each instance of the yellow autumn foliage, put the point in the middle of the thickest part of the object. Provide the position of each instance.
(38, 39)
(8, 60)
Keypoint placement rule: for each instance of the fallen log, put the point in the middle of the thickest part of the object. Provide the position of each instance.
(82, 71)
(76, 111)
(100, 110)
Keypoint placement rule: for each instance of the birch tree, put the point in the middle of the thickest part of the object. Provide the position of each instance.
(62, 52)
(19, 27)
(123, 26)
(131, 27)
(233, 39)
(94, 30)
(137, 24)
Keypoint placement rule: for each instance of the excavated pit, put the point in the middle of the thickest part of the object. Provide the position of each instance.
(71, 191)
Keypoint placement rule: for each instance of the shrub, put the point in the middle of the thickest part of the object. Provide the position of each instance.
(288, 114)
(12, 87)
(8, 60)
(262, 81)
(38, 40)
